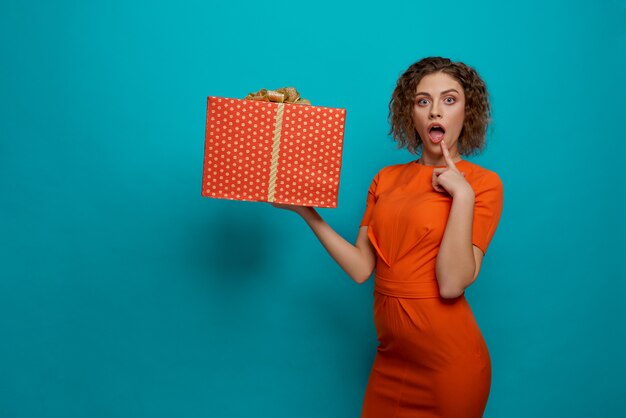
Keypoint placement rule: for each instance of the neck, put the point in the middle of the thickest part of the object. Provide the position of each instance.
(434, 161)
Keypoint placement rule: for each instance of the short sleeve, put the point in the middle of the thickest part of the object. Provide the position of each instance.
(488, 203)
(371, 201)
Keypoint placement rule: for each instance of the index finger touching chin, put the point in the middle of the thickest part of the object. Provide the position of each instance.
(446, 155)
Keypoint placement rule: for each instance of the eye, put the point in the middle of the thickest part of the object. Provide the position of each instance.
(419, 102)
(450, 97)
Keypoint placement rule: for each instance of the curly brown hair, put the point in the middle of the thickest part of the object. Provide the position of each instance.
(477, 109)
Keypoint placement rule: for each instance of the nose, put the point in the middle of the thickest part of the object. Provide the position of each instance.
(434, 112)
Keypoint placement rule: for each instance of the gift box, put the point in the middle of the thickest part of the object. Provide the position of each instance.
(272, 152)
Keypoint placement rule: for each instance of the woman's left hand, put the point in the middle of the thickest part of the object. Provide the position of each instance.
(450, 179)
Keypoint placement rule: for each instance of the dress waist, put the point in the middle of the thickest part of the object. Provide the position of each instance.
(406, 289)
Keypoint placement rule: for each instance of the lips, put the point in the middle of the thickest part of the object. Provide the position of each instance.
(436, 132)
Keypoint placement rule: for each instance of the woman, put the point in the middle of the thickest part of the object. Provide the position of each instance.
(425, 231)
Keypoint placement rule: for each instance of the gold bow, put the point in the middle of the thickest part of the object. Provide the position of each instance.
(281, 95)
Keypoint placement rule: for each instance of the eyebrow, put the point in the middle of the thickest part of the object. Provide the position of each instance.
(443, 92)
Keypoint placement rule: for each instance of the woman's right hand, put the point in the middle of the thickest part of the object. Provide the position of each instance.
(294, 208)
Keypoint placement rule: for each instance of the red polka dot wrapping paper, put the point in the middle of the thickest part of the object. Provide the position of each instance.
(240, 142)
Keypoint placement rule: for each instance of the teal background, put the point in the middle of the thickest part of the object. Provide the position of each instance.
(124, 293)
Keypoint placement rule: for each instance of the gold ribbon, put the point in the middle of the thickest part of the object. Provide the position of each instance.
(275, 147)
(280, 96)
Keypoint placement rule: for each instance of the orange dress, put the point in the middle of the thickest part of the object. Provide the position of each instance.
(432, 360)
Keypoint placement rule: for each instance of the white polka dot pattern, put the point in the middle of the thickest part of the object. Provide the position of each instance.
(238, 150)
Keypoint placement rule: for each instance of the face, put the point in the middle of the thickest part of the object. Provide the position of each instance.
(439, 99)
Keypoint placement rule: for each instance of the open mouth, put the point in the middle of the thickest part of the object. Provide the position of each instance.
(436, 134)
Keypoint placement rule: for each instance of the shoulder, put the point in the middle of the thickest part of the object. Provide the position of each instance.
(482, 178)
(392, 170)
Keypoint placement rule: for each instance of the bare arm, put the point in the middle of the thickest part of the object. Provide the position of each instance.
(357, 260)
(456, 260)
